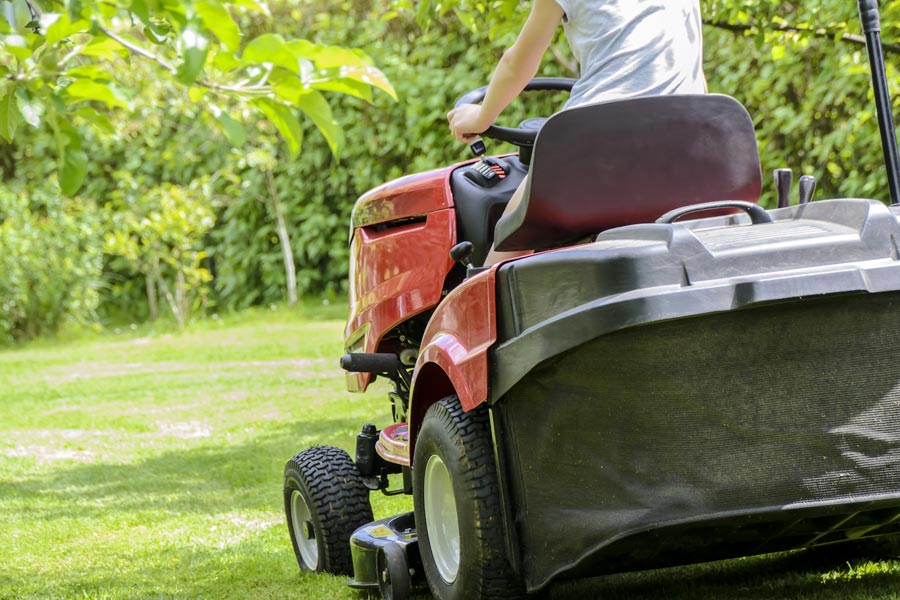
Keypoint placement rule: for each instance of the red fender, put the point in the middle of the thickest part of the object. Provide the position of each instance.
(453, 357)
(402, 233)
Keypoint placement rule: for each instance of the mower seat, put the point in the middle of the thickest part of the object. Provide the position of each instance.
(629, 161)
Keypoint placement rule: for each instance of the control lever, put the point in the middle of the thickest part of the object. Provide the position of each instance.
(462, 253)
(807, 188)
(783, 180)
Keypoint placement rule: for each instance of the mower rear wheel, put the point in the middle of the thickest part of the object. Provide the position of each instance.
(457, 506)
(325, 501)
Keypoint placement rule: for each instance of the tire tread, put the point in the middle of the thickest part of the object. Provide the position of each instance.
(337, 498)
(494, 577)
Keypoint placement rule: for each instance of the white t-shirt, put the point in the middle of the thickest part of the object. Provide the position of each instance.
(629, 48)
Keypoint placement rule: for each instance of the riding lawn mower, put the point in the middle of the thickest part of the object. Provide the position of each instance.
(672, 375)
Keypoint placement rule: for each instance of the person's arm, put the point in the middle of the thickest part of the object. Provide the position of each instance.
(516, 68)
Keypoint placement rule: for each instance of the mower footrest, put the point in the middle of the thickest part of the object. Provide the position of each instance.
(393, 444)
(367, 362)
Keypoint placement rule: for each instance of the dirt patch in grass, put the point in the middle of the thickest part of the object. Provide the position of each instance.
(52, 445)
(48, 454)
(46, 446)
(297, 368)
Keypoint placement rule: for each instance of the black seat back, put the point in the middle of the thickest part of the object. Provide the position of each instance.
(629, 161)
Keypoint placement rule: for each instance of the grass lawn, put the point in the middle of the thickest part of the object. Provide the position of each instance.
(149, 466)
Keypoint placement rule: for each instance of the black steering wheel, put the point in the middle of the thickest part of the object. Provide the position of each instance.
(519, 136)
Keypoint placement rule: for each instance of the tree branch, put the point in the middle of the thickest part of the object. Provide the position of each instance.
(820, 32)
(135, 49)
(33, 10)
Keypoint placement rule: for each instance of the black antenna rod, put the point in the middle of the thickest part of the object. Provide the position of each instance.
(871, 26)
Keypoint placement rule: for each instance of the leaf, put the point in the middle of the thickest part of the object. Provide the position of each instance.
(270, 48)
(332, 57)
(95, 72)
(778, 52)
(74, 8)
(17, 45)
(284, 121)
(105, 48)
(154, 35)
(370, 76)
(196, 93)
(62, 28)
(232, 129)
(96, 119)
(225, 61)
(195, 47)
(140, 8)
(217, 19)
(316, 107)
(254, 5)
(73, 167)
(355, 81)
(46, 21)
(9, 115)
(345, 86)
(468, 20)
(30, 109)
(87, 89)
(303, 48)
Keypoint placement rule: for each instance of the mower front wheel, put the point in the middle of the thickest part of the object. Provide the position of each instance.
(457, 507)
(325, 501)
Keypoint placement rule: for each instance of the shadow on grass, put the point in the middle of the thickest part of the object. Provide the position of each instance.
(213, 478)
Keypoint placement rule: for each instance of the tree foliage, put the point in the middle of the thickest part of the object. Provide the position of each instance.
(62, 61)
(801, 71)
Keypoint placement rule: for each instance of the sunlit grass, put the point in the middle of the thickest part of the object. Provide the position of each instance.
(147, 464)
(136, 466)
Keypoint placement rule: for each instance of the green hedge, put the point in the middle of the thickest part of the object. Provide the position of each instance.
(50, 264)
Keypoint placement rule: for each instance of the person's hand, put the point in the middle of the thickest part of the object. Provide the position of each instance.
(466, 122)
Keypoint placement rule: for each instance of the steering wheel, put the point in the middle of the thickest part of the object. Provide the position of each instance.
(520, 136)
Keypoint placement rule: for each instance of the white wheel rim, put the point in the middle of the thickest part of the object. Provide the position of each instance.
(441, 518)
(300, 515)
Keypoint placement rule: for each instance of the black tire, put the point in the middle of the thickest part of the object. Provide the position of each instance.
(325, 502)
(470, 562)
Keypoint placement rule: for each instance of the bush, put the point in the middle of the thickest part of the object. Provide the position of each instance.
(50, 263)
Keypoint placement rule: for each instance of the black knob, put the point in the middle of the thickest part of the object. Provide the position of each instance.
(783, 179)
(462, 253)
(807, 188)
